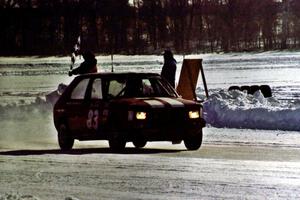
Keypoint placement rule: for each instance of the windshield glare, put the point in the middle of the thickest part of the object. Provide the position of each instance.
(138, 87)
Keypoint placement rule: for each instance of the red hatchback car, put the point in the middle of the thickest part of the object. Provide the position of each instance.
(126, 107)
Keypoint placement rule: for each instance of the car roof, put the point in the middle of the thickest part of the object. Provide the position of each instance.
(119, 75)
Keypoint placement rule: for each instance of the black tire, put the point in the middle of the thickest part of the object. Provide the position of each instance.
(65, 140)
(117, 144)
(139, 143)
(193, 142)
(245, 87)
(253, 89)
(266, 90)
(234, 87)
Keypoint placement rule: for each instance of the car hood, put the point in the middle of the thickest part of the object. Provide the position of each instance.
(156, 102)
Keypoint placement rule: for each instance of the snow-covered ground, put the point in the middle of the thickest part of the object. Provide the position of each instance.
(250, 146)
(23, 81)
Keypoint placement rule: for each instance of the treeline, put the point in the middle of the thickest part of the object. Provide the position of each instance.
(45, 27)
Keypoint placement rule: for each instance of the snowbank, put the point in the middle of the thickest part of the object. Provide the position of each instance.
(231, 109)
(236, 109)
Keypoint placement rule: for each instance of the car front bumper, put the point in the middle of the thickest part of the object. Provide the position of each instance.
(164, 132)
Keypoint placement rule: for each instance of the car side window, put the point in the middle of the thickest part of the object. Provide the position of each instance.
(147, 88)
(79, 91)
(115, 87)
(97, 89)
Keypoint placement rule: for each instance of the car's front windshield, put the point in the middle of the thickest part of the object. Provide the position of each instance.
(138, 87)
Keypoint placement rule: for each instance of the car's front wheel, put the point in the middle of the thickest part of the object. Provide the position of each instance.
(193, 142)
(139, 143)
(117, 144)
(65, 140)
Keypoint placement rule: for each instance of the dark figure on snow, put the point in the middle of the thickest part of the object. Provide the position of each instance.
(168, 71)
(89, 65)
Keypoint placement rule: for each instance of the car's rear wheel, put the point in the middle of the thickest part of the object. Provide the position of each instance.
(65, 140)
(139, 143)
(193, 142)
(117, 144)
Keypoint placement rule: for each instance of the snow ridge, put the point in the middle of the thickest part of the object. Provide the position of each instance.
(236, 109)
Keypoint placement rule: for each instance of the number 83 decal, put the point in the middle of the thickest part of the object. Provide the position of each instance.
(92, 120)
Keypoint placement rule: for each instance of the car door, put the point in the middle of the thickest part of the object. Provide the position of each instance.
(97, 113)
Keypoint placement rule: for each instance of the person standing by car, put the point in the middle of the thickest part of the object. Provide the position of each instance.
(168, 71)
(89, 65)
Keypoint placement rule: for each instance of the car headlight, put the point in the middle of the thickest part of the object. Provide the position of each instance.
(194, 114)
(141, 115)
(136, 115)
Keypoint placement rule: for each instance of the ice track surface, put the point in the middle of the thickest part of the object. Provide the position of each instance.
(231, 164)
(154, 173)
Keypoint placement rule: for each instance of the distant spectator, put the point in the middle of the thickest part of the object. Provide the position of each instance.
(168, 71)
(89, 65)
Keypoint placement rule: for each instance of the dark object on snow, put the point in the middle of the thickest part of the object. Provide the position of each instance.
(168, 71)
(245, 88)
(266, 90)
(253, 89)
(234, 87)
(89, 65)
